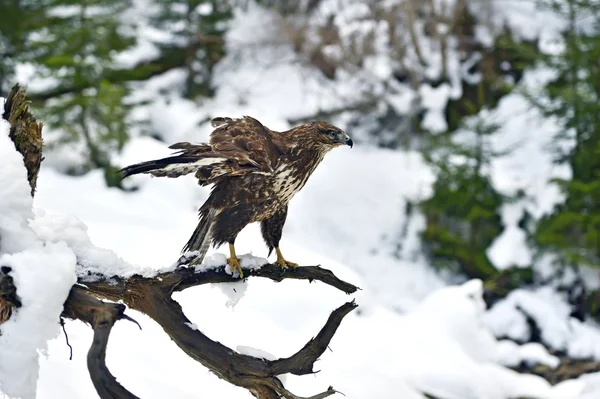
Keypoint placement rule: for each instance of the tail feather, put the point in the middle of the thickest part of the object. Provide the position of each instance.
(200, 239)
(175, 166)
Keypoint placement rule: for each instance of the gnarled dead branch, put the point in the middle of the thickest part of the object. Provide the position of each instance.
(152, 296)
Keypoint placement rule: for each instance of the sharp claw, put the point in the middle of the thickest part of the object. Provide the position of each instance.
(235, 265)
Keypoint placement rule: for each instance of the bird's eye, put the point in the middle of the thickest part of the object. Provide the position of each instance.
(331, 133)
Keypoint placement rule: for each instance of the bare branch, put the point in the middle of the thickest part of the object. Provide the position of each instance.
(361, 106)
(152, 296)
(302, 362)
(101, 316)
(116, 288)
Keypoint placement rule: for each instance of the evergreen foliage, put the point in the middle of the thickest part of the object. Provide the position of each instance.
(73, 45)
(463, 214)
(198, 26)
(572, 230)
(76, 45)
(17, 17)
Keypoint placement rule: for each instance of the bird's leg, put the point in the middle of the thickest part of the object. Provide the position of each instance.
(281, 260)
(234, 261)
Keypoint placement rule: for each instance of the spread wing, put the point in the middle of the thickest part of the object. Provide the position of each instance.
(236, 147)
(246, 141)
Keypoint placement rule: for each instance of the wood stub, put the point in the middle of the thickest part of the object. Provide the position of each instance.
(25, 132)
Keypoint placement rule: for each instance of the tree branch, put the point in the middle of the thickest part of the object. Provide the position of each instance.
(170, 58)
(101, 316)
(116, 288)
(361, 106)
(152, 296)
(302, 361)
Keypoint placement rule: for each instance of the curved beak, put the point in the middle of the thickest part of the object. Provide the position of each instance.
(343, 138)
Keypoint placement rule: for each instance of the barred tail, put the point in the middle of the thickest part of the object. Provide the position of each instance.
(173, 166)
(200, 239)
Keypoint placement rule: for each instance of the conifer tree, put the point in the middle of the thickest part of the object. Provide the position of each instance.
(572, 230)
(17, 18)
(75, 46)
(199, 27)
(463, 213)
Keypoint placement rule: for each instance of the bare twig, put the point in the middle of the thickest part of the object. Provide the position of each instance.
(62, 324)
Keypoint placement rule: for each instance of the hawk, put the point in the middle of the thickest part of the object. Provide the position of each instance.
(254, 171)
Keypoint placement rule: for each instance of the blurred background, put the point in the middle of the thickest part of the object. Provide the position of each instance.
(476, 123)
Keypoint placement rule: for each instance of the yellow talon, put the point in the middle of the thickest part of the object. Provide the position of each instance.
(234, 261)
(281, 260)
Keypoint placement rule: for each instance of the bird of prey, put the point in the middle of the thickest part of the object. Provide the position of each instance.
(254, 171)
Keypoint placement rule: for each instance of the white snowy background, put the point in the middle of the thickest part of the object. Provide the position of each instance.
(415, 331)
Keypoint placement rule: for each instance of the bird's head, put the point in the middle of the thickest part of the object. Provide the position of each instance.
(328, 135)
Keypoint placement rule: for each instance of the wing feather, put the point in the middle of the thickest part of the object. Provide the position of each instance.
(247, 141)
(236, 147)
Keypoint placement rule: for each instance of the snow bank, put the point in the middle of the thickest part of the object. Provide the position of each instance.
(551, 313)
(43, 277)
(15, 198)
(43, 274)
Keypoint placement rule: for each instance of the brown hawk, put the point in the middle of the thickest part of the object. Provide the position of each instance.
(254, 171)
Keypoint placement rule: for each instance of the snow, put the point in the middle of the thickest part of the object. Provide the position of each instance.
(434, 100)
(234, 292)
(43, 274)
(510, 247)
(15, 203)
(512, 354)
(413, 334)
(43, 277)
(436, 346)
(91, 261)
(524, 18)
(193, 326)
(559, 331)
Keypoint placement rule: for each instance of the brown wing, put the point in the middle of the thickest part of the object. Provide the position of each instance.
(246, 141)
(237, 147)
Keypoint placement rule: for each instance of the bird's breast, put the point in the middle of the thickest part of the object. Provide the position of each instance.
(288, 179)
